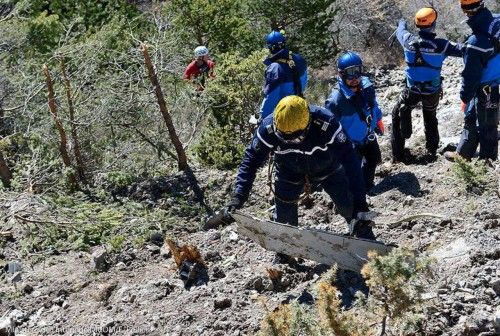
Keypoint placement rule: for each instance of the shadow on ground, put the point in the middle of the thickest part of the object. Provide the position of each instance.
(406, 182)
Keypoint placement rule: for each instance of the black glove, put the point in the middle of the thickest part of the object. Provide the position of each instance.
(235, 203)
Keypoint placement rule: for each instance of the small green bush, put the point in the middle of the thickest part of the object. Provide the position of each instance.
(117, 242)
(236, 93)
(473, 175)
(393, 307)
(219, 148)
(119, 179)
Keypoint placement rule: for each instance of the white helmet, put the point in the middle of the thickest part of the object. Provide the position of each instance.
(201, 51)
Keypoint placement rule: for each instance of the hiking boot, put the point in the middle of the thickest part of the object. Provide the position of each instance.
(363, 229)
(396, 159)
(488, 162)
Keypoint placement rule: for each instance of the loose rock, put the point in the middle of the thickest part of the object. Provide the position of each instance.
(222, 303)
(100, 260)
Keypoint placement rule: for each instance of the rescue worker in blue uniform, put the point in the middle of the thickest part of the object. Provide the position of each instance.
(353, 103)
(286, 73)
(309, 145)
(424, 56)
(480, 81)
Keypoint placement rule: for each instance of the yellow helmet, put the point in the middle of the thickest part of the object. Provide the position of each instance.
(291, 115)
(425, 17)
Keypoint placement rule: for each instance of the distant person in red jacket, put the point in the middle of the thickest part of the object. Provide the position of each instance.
(200, 68)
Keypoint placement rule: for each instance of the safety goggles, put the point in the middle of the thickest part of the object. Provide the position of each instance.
(352, 72)
(292, 138)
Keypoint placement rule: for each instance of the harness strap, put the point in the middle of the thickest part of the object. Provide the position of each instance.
(307, 185)
(297, 86)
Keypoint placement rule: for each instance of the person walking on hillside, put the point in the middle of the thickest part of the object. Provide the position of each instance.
(201, 68)
(480, 81)
(309, 146)
(286, 73)
(353, 103)
(424, 55)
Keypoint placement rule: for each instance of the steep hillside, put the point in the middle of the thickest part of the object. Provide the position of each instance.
(137, 289)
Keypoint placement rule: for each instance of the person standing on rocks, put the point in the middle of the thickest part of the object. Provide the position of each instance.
(200, 68)
(286, 73)
(309, 147)
(424, 55)
(354, 104)
(480, 81)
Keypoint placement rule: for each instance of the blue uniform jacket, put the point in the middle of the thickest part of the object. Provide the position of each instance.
(355, 110)
(423, 74)
(324, 150)
(481, 65)
(279, 79)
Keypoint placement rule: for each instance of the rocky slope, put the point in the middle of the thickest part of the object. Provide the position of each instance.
(138, 291)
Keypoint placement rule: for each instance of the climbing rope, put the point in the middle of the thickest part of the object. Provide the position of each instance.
(305, 196)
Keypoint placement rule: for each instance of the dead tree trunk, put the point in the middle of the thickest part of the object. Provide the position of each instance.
(5, 173)
(2, 117)
(63, 144)
(80, 167)
(181, 154)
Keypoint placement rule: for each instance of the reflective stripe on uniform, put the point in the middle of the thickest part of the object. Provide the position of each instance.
(479, 49)
(264, 141)
(332, 140)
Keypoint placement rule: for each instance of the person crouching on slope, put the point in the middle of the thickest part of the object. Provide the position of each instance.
(424, 55)
(354, 104)
(308, 145)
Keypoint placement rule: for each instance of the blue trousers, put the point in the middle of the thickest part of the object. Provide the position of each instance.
(287, 194)
(480, 126)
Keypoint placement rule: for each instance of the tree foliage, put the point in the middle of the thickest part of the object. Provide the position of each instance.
(307, 24)
(222, 25)
(55, 22)
(119, 126)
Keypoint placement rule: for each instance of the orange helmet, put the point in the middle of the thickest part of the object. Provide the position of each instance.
(425, 17)
(471, 6)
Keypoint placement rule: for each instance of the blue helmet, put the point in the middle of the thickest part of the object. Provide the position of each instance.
(350, 65)
(275, 41)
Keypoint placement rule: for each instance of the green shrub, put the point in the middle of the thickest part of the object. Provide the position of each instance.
(44, 31)
(219, 148)
(236, 93)
(473, 175)
(117, 242)
(119, 179)
(396, 282)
